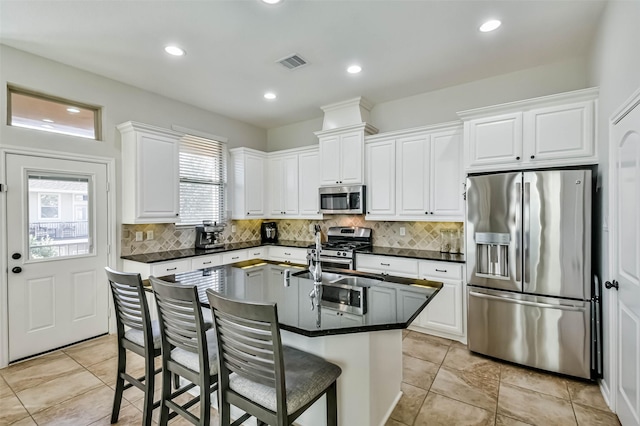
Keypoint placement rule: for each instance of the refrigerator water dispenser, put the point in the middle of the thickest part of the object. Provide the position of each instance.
(492, 250)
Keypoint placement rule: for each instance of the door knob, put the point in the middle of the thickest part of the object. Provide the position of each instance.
(614, 284)
(16, 256)
(16, 269)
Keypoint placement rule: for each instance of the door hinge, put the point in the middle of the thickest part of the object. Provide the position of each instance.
(3, 187)
(108, 248)
(108, 186)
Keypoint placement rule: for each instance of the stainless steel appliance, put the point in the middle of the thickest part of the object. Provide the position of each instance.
(342, 242)
(531, 298)
(342, 199)
(209, 235)
(269, 232)
(344, 298)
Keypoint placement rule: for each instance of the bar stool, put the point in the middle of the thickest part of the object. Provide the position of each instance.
(143, 338)
(188, 349)
(271, 382)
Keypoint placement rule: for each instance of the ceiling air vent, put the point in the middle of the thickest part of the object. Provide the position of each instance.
(292, 62)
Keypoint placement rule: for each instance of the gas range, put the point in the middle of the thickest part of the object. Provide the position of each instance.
(343, 241)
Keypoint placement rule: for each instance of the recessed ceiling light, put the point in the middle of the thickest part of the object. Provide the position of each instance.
(73, 110)
(47, 120)
(174, 50)
(490, 25)
(354, 69)
(271, 1)
(270, 95)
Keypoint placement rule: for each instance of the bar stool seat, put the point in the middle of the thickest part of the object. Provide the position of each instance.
(191, 360)
(137, 336)
(306, 376)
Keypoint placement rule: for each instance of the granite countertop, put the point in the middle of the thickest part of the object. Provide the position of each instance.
(416, 254)
(164, 256)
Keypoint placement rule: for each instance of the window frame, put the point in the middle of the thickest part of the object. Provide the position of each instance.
(97, 111)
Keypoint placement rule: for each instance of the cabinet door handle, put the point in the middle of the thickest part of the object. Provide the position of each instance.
(441, 270)
(256, 254)
(385, 264)
(517, 158)
(206, 263)
(533, 156)
(172, 269)
(235, 257)
(287, 254)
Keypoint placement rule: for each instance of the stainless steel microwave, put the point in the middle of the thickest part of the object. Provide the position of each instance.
(342, 199)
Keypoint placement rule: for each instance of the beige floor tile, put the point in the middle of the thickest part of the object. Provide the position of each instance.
(409, 404)
(418, 372)
(439, 410)
(588, 416)
(430, 338)
(535, 381)
(94, 351)
(456, 344)
(508, 421)
(463, 360)
(5, 390)
(129, 416)
(56, 391)
(533, 407)
(405, 332)
(587, 394)
(36, 371)
(12, 410)
(107, 370)
(419, 347)
(467, 387)
(83, 409)
(134, 394)
(27, 421)
(392, 422)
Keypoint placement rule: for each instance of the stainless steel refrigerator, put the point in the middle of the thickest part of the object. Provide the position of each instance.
(531, 299)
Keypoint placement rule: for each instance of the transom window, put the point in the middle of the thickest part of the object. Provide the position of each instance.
(37, 111)
(203, 178)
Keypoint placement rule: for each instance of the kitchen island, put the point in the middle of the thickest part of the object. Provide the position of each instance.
(367, 345)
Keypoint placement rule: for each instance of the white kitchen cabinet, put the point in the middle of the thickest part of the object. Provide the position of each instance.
(234, 256)
(416, 174)
(260, 252)
(208, 261)
(158, 269)
(445, 314)
(389, 265)
(288, 254)
(382, 305)
(248, 183)
(342, 154)
(557, 130)
(308, 184)
(150, 174)
(335, 319)
(380, 160)
(253, 284)
(284, 297)
(283, 186)
(408, 302)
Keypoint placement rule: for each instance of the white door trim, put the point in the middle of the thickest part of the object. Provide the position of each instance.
(112, 231)
(609, 390)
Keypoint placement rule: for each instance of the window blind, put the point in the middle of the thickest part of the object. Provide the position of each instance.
(203, 178)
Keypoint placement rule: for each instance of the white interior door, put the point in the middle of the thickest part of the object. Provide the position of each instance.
(57, 248)
(625, 265)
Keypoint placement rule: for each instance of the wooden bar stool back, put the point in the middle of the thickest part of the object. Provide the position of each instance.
(188, 350)
(271, 382)
(141, 336)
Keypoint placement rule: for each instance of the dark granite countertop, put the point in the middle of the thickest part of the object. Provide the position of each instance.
(164, 256)
(294, 306)
(416, 254)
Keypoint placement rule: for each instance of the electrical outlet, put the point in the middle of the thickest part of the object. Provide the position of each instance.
(139, 236)
(233, 229)
(403, 231)
(149, 235)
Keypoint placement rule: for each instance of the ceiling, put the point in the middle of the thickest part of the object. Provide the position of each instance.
(404, 47)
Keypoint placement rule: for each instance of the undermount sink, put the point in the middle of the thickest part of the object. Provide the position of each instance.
(356, 281)
(327, 277)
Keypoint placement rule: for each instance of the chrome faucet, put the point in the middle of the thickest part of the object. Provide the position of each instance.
(316, 271)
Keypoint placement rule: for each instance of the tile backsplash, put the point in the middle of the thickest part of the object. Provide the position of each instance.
(418, 235)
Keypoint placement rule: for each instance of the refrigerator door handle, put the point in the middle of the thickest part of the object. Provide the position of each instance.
(526, 302)
(518, 258)
(526, 229)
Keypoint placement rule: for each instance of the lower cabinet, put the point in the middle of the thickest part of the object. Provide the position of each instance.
(382, 305)
(284, 297)
(333, 319)
(408, 301)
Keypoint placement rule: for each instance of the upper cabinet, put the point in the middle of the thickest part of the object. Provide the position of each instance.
(283, 185)
(308, 184)
(557, 130)
(150, 174)
(342, 154)
(248, 183)
(416, 174)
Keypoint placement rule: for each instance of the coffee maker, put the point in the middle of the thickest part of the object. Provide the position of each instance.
(209, 236)
(269, 232)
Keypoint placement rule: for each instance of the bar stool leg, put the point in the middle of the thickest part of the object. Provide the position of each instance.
(166, 393)
(117, 398)
(149, 384)
(332, 405)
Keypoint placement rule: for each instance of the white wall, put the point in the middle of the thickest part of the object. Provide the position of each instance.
(442, 105)
(615, 67)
